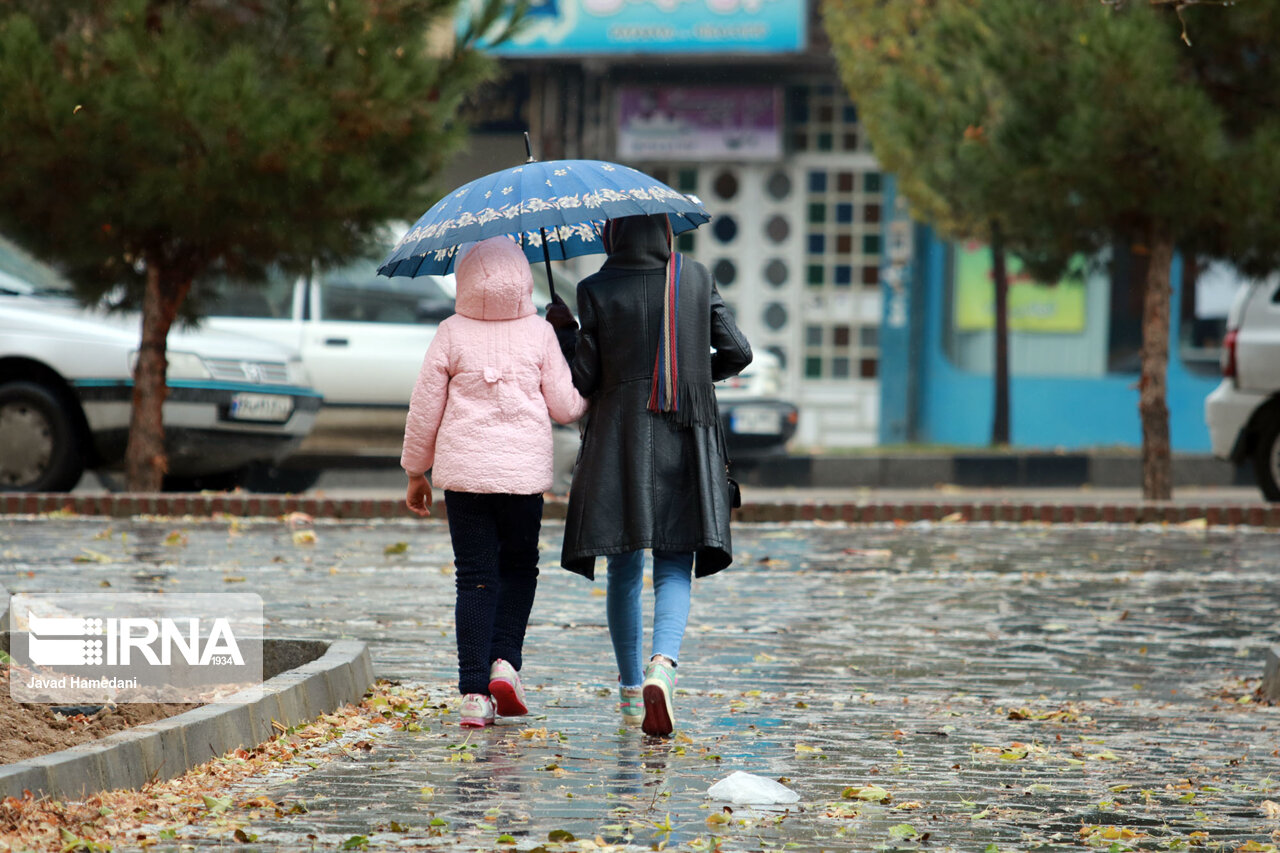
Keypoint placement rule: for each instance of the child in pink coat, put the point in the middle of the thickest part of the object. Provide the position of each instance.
(480, 422)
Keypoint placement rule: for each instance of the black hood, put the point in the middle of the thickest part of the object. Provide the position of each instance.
(638, 242)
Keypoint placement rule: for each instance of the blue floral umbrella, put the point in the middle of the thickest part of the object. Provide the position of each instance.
(555, 209)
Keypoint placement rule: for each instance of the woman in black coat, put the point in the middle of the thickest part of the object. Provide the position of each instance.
(651, 473)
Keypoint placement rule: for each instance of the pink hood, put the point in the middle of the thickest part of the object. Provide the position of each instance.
(492, 381)
(495, 282)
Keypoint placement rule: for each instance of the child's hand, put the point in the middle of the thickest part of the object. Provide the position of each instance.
(418, 497)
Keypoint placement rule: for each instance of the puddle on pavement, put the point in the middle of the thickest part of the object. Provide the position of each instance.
(1018, 686)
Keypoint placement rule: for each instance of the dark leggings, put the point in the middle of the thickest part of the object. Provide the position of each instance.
(495, 556)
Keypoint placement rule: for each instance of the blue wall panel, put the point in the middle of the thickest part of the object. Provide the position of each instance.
(897, 310)
(1045, 412)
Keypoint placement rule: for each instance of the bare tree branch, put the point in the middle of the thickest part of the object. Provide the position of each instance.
(1178, 6)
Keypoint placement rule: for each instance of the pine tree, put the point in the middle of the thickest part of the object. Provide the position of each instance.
(1098, 125)
(148, 142)
(912, 70)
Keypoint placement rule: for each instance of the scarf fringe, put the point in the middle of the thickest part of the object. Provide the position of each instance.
(697, 406)
(664, 395)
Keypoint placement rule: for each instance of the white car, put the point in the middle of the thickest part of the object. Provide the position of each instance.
(66, 385)
(757, 421)
(1243, 412)
(362, 337)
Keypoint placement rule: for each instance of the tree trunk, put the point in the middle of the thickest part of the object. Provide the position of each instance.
(145, 461)
(1157, 460)
(1000, 426)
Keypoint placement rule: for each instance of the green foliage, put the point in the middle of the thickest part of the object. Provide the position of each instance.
(1074, 123)
(223, 133)
(1114, 140)
(1250, 235)
(921, 97)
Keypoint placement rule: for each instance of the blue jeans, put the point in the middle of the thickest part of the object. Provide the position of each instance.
(672, 578)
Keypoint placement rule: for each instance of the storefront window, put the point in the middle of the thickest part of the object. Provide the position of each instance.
(725, 272)
(822, 119)
(776, 273)
(778, 186)
(1124, 335)
(841, 236)
(1056, 329)
(1088, 324)
(1207, 293)
(775, 315)
(1207, 289)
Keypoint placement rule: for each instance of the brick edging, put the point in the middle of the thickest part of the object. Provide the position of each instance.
(169, 747)
(1236, 515)
(125, 505)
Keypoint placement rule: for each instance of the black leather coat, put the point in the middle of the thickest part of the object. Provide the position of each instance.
(644, 480)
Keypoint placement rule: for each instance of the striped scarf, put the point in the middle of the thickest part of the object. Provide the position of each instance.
(663, 394)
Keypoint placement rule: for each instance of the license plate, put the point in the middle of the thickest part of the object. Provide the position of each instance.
(275, 408)
(755, 421)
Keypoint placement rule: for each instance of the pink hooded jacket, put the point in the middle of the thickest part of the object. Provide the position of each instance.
(478, 417)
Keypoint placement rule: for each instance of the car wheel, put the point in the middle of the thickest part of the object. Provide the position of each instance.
(1266, 458)
(40, 443)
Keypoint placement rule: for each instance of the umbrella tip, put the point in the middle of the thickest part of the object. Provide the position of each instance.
(528, 148)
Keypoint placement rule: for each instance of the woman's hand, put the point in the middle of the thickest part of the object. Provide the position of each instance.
(559, 315)
(418, 497)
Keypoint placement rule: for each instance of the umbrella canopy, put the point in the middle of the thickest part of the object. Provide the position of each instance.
(555, 209)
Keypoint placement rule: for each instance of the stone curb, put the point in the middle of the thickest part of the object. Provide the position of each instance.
(886, 468)
(978, 469)
(169, 747)
(125, 505)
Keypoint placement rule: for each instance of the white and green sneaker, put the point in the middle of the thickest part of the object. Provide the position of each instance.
(631, 704)
(658, 688)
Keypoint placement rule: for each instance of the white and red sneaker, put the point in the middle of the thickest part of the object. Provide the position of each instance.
(506, 689)
(476, 711)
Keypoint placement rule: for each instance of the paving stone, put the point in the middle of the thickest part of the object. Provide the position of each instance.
(1016, 684)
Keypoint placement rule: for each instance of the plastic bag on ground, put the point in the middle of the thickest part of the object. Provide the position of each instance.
(746, 789)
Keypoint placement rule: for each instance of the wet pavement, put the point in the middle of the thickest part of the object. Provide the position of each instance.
(389, 483)
(980, 687)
